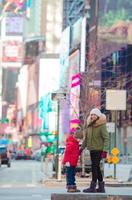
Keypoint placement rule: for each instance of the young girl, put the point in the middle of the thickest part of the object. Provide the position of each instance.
(70, 160)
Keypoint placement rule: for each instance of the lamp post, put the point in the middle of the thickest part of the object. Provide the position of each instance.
(58, 96)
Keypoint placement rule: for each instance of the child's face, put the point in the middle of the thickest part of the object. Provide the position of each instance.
(77, 139)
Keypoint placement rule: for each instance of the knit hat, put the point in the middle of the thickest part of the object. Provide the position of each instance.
(96, 111)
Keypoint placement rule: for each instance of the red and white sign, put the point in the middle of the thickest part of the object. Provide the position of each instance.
(12, 51)
(75, 80)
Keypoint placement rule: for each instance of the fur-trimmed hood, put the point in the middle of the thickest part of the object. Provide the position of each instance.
(100, 121)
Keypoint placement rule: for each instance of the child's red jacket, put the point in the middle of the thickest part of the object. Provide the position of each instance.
(71, 153)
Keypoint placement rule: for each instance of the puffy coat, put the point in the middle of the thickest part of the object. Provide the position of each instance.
(96, 135)
(71, 153)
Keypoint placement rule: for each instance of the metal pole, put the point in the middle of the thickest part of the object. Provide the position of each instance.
(109, 143)
(115, 143)
(57, 144)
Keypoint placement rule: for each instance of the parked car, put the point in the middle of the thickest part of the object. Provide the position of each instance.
(5, 156)
(84, 158)
(20, 155)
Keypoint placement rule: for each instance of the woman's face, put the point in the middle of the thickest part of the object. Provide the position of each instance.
(93, 117)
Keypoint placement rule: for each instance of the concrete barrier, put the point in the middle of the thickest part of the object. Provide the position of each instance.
(130, 176)
(78, 196)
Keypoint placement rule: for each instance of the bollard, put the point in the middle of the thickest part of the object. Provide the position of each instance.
(46, 166)
(59, 167)
(41, 163)
(130, 176)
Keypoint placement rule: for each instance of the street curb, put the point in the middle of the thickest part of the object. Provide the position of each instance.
(83, 182)
(56, 196)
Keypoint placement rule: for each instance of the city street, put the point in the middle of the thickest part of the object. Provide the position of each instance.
(65, 86)
(23, 182)
(21, 173)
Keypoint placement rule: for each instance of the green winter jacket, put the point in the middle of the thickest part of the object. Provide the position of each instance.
(96, 136)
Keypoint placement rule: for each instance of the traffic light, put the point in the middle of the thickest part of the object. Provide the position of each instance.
(4, 121)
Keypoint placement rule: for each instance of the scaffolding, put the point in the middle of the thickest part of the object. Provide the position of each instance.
(72, 11)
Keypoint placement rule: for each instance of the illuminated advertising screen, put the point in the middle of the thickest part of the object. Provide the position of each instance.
(9, 79)
(48, 83)
(64, 55)
(76, 33)
(74, 102)
(32, 97)
(115, 21)
(74, 83)
(48, 76)
(32, 88)
(92, 33)
(64, 65)
(13, 5)
(14, 25)
(94, 97)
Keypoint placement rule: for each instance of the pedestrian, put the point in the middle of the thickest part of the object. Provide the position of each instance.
(96, 139)
(70, 160)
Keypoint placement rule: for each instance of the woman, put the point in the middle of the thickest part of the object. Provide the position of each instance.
(97, 141)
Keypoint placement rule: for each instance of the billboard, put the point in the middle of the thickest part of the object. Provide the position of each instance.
(12, 51)
(75, 96)
(92, 37)
(13, 5)
(32, 87)
(48, 75)
(14, 25)
(76, 33)
(64, 55)
(74, 84)
(9, 79)
(32, 97)
(115, 22)
(83, 45)
(64, 65)
(22, 89)
(48, 83)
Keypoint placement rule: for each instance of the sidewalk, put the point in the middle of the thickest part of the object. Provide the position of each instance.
(123, 174)
(52, 182)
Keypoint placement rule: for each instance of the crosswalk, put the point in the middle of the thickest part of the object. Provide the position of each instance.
(17, 186)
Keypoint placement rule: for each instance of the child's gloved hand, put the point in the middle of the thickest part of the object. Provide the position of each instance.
(104, 154)
(67, 164)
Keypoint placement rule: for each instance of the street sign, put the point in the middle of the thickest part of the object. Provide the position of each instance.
(115, 159)
(59, 94)
(115, 99)
(115, 151)
(110, 127)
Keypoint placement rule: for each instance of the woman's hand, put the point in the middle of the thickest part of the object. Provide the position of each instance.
(104, 154)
